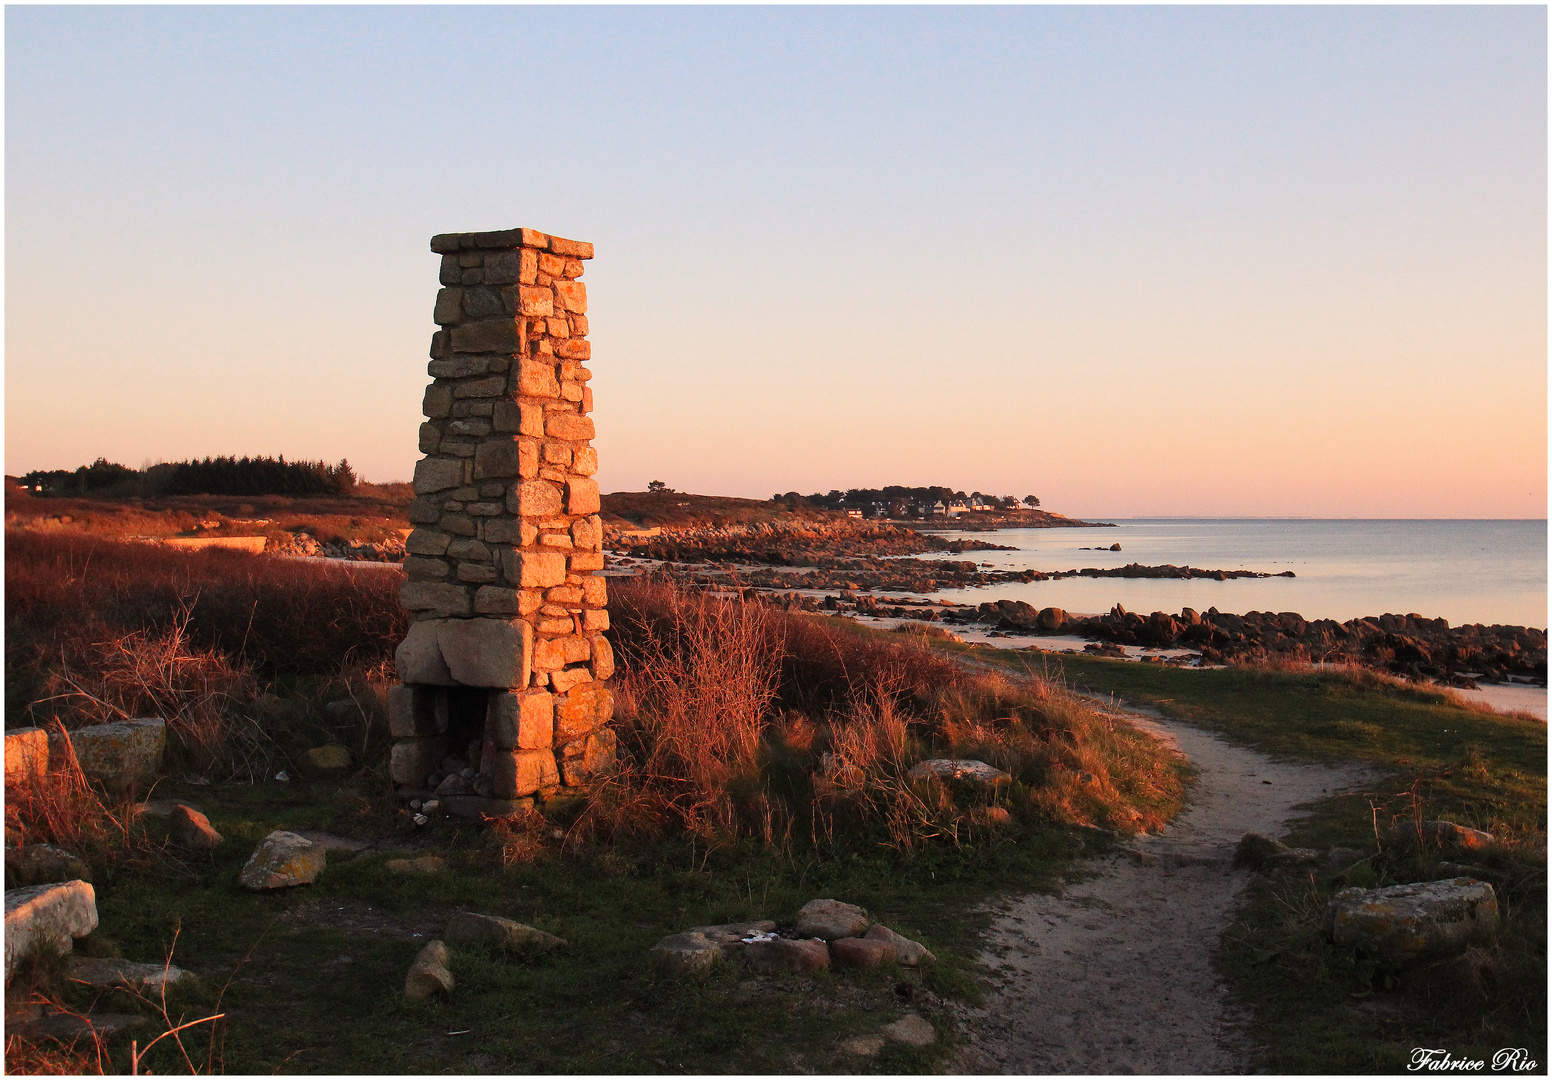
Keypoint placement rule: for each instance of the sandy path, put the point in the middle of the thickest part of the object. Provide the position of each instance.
(1115, 975)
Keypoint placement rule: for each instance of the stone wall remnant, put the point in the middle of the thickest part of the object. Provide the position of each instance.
(505, 669)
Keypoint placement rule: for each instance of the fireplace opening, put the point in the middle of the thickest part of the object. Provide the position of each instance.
(467, 768)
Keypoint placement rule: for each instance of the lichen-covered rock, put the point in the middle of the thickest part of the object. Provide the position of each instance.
(429, 973)
(862, 952)
(977, 773)
(107, 973)
(26, 754)
(326, 762)
(281, 860)
(471, 928)
(1409, 922)
(907, 952)
(39, 864)
(47, 916)
(121, 754)
(831, 919)
(688, 955)
(785, 954)
(191, 829)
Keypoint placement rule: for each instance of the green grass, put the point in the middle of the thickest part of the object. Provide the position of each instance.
(1317, 1010)
(320, 969)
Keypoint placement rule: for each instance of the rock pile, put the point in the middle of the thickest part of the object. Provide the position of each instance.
(825, 933)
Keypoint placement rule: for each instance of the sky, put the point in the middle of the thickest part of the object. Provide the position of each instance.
(1256, 261)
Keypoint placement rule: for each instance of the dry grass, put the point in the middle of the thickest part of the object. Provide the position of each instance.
(63, 808)
(737, 719)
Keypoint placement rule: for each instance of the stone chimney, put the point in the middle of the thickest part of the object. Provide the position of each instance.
(504, 670)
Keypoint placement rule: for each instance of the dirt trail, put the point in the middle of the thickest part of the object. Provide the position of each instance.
(1115, 974)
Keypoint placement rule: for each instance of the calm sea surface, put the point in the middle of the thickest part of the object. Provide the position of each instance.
(1465, 571)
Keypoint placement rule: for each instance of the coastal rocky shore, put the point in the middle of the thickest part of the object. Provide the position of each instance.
(1408, 645)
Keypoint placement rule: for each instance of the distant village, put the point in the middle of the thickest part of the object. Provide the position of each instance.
(908, 502)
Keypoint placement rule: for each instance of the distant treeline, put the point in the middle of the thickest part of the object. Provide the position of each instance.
(895, 494)
(208, 476)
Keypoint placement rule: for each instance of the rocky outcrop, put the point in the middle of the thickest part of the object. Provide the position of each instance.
(105, 974)
(1409, 645)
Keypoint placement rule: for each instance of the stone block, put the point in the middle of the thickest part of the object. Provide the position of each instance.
(422, 568)
(437, 474)
(528, 266)
(501, 268)
(410, 761)
(416, 710)
(535, 300)
(496, 458)
(441, 599)
(450, 273)
(491, 336)
(568, 425)
(496, 600)
(535, 569)
(575, 349)
(549, 655)
(584, 461)
(282, 860)
(438, 401)
(535, 498)
(521, 721)
(425, 509)
(523, 772)
(468, 549)
(582, 496)
(486, 302)
(535, 378)
(976, 773)
(418, 659)
(46, 917)
(111, 973)
(426, 542)
(26, 755)
(570, 296)
(595, 591)
(40, 864)
(582, 710)
(567, 678)
(487, 386)
(576, 249)
(449, 306)
(596, 621)
(120, 754)
(501, 531)
(325, 762)
(430, 438)
(492, 653)
(585, 561)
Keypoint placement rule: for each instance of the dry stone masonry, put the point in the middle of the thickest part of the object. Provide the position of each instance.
(505, 668)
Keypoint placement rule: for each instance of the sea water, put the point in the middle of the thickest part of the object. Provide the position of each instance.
(1464, 571)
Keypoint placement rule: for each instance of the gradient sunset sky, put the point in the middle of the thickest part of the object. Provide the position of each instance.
(1136, 261)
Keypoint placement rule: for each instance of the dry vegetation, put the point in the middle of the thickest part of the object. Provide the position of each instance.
(740, 720)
